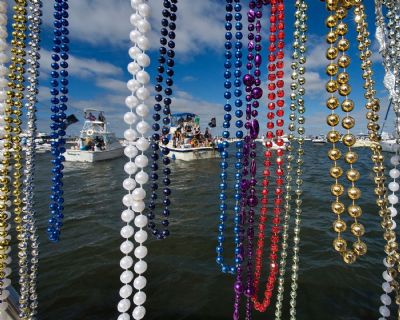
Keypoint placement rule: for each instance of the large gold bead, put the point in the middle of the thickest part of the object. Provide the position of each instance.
(332, 103)
(354, 193)
(343, 77)
(336, 172)
(332, 53)
(360, 248)
(353, 175)
(334, 154)
(331, 37)
(340, 245)
(348, 122)
(333, 136)
(357, 229)
(354, 211)
(344, 89)
(343, 45)
(331, 21)
(349, 139)
(337, 189)
(344, 61)
(339, 226)
(332, 5)
(341, 13)
(351, 157)
(332, 120)
(332, 69)
(349, 257)
(331, 86)
(347, 105)
(342, 28)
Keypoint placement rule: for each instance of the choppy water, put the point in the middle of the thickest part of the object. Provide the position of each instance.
(79, 277)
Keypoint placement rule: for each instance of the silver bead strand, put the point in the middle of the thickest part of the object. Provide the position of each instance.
(388, 36)
(297, 111)
(34, 19)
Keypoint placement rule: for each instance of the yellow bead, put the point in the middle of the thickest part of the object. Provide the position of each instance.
(331, 86)
(354, 211)
(347, 105)
(357, 229)
(331, 5)
(349, 257)
(354, 193)
(336, 172)
(340, 245)
(331, 37)
(344, 61)
(360, 248)
(343, 45)
(331, 21)
(332, 120)
(332, 69)
(341, 13)
(334, 154)
(337, 189)
(348, 122)
(343, 77)
(353, 175)
(344, 89)
(332, 53)
(333, 136)
(339, 226)
(342, 29)
(338, 207)
(351, 157)
(349, 140)
(332, 103)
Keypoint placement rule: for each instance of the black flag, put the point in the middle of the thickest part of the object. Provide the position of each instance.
(212, 123)
(71, 119)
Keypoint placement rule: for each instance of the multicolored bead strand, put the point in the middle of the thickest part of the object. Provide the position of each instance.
(59, 92)
(338, 10)
(276, 100)
(387, 35)
(5, 145)
(238, 228)
(137, 177)
(29, 225)
(168, 29)
(296, 124)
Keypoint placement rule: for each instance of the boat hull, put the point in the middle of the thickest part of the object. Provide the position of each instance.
(192, 154)
(390, 146)
(92, 156)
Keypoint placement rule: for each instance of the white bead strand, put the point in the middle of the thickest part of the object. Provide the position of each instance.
(4, 56)
(137, 144)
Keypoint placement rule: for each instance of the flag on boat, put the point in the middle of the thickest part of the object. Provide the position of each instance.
(71, 119)
(212, 123)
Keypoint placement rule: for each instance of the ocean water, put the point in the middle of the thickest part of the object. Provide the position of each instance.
(79, 277)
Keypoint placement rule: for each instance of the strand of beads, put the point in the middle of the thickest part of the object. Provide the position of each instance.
(5, 131)
(135, 151)
(59, 92)
(386, 36)
(168, 29)
(29, 225)
(254, 15)
(297, 111)
(239, 135)
(276, 99)
(338, 11)
(14, 102)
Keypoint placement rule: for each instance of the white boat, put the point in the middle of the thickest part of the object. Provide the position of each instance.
(389, 143)
(319, 140)
(96, 142)
(187, 142)
(362, 141)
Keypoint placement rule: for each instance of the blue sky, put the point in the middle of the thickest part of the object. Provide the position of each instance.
(100, 42)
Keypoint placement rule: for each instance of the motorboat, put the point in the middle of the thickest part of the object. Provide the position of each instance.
(96, 142)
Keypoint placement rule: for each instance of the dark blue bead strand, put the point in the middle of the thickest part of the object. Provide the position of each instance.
(232, 21)
(162, 112)
(59, 93)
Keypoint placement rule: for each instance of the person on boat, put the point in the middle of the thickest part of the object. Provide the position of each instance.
(91, 117)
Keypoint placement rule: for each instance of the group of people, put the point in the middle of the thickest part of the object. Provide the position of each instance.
(189, 133)
(90, 116)
(92, 144)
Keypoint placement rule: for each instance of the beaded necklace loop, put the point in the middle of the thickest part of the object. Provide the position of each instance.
(275, 98)
(137, 177)
(237, 83)
(59, 92)
(297, 131)
(387, 35)
(160, 141)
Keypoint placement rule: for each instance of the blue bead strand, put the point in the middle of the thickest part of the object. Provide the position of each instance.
(163, 104)
(59, 92)
(237, 93)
